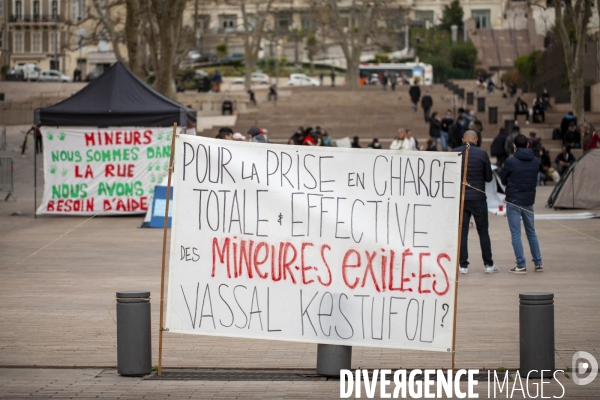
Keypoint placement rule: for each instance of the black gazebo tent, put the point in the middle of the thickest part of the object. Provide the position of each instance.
(116, 98)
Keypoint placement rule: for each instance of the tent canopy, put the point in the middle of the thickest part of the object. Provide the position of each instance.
(579, 187)
(116, 98)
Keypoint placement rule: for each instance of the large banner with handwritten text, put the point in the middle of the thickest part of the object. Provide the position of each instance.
(103, 170)
(314, 244)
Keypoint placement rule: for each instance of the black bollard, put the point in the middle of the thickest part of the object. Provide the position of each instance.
(134, 344)
(332, 358)
(536, 333)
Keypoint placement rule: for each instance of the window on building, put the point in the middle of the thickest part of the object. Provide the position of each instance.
(307, 22)
(424, 15)
(36, 10)
(19, 10)
(283, 21)
(18, 42)
(53, 37)
(1, 8)
(228, 23)
(54, 10)
(36, 42)
(482, 19)
(203, 23)
(78, 10)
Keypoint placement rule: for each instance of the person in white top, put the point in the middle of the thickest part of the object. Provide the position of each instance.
(411, 143)
(400, 142)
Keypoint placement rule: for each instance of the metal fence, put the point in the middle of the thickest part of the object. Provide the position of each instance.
(6, 176)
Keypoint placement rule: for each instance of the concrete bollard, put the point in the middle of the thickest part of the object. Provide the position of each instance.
(536, 333)
(332, 358)
(134, 344)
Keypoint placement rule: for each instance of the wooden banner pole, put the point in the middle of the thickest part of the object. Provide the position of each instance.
(164, 252)
(460, 224)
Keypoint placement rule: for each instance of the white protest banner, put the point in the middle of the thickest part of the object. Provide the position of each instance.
(314, 244)
(88, 170)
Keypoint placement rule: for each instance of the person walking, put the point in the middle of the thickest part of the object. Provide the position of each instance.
(393, 80)
(415, 94)
(426, 104)
(217, 81)
(445, 125)
(321, 78)
(520, 174)
(332, 75)
(475, 204)
(384, 81)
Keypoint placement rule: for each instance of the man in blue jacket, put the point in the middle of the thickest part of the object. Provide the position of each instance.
(478, 173)
(519, 176)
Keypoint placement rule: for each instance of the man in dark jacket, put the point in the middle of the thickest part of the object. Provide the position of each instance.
(415, 94)
(478, 173)
(520, 177)
(445, 124)
(508, 144)
(434, 128)
(566, 121)
(572, 137)
(497, 150)
(426, 104)
(455, 133)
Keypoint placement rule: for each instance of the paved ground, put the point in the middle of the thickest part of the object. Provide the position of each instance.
(56, 305)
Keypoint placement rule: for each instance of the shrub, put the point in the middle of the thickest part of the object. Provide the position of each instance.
(463, 55)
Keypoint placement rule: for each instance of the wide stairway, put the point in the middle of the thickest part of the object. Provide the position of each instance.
(373, 113)
(368, 113)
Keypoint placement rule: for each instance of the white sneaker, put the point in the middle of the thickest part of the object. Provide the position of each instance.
(491, 269)
(462, 270)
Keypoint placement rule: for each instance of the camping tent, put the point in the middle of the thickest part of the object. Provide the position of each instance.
(116, 98)
(108, 145)
(579, 187)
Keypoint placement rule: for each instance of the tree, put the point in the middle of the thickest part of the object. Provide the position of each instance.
(254, 18)
(453, 15)
(577, 14)
(152, 32)
(351, 26)
(463, 55)
(221, 50)
(527, 67)
(312, 47)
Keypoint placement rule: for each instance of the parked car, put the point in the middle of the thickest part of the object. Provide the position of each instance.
(93, 75)
(302, 80)
(31, 72)
(53, 75)
(15, 75)
(257, 78)
(232, 58)
(208, 57)
(193, 55)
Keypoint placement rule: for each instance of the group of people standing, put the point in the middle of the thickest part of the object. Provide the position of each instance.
(519, 175)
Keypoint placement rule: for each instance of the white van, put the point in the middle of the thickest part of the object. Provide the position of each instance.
(31, 71)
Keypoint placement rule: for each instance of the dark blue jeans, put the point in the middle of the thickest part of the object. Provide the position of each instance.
(478, 209)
